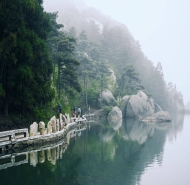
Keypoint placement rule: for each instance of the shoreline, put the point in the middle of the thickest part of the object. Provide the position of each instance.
(37, 140)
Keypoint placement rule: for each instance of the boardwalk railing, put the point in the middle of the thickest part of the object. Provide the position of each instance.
(20, 138)
(11, 134)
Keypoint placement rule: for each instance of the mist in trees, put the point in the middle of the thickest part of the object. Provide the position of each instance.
(107, 41)
(44, 63)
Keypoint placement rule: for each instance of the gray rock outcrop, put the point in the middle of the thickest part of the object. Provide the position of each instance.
(159, 117)
(124, 102)
(106, 98)
(139, 106)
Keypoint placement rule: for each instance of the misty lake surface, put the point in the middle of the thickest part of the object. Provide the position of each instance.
(135, 154)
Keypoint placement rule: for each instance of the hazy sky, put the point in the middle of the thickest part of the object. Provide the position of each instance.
(161, 26)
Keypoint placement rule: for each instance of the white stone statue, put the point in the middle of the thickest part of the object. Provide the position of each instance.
(64, 120)
(33, 129)
(53, 121)
(42, 128)
(49, 127)
(53, 125)
(68, 118)
(53, 118)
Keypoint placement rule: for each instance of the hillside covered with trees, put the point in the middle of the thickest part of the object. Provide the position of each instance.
(44, 63)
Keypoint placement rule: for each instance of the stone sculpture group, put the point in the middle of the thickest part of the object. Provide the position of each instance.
(53, 125)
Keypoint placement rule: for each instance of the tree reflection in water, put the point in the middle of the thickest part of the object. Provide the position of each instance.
(101, 155)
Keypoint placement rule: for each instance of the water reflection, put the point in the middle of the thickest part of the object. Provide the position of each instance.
(100, 154)
(38, 155)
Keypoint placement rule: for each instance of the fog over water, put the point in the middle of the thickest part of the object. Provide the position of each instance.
(162, 28)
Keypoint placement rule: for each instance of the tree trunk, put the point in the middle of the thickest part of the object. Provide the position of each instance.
(59, 79)
(6, 107)
(86, 95)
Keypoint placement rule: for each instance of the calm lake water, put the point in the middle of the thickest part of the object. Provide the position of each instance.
(133, 154)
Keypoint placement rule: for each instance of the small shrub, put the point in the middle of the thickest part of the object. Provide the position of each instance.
(107, 110)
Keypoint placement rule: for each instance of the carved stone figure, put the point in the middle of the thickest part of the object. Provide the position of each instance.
(49, 127)
(64, 120)
(53, 120)
(53, 125)
(68, 118)
(33, 129)
(41, 127)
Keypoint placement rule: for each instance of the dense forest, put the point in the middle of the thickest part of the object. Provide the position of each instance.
(44, 63)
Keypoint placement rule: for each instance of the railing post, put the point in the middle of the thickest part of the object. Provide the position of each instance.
(13, 137)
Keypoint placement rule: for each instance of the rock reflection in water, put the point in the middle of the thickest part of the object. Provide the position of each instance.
(101, 155)
(115, 118)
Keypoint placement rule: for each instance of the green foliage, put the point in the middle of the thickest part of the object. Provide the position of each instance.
(129, 83)
(25, 64)
(65, 77)
(93, 94)
(107, 110)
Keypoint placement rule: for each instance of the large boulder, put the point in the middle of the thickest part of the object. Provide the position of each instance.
(106, 98)
(159, 117)
(115, 118)
(123, 104)
(139, 106)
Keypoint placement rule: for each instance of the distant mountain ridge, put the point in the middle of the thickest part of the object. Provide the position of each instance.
(119, 48)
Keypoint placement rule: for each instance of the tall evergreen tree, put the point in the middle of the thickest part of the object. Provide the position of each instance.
(62, 49)
(25, 78)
